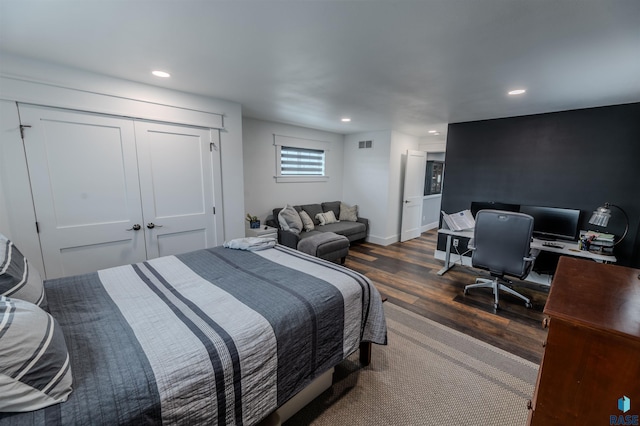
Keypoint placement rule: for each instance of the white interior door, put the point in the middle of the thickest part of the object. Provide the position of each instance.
(84, 179)
(179, 182)
(413, 194)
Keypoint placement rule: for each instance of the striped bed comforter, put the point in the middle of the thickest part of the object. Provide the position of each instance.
(216, 336)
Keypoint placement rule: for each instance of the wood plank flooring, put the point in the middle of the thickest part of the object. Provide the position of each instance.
(407, 274)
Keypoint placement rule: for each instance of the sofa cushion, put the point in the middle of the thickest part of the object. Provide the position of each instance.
(348, 213)
(343, 228)
(312, 210)
(307, 222)
(326, 217)
(289, 219)
(334, 206)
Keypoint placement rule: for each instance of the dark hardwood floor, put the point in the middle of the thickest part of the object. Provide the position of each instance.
(407, 274)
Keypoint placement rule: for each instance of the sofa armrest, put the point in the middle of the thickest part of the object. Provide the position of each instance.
(365, 221)
(272, 223)
(288, 238)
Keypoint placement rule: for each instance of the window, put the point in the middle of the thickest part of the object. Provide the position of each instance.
(300, 160)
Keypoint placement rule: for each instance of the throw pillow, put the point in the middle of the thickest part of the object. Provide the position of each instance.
(333, 206)
(350, 214)
(312, 210)
(18, 278)
(327, 218)
(289, 219)
(307, 222)
(34, 359)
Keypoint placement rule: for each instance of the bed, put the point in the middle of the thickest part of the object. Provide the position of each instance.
(215, 336)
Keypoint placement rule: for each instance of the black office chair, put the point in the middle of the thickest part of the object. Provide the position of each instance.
(502, 245)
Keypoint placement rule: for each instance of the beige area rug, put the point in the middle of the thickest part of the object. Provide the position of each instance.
(428, 374)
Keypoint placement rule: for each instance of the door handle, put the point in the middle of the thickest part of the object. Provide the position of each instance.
(135, 227)
(151, 225)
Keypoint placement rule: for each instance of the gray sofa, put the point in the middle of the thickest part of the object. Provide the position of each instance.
(352, 230)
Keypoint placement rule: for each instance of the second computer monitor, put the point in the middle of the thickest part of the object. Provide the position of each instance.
(553, 223)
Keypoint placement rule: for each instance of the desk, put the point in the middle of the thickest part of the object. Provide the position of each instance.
(569, 248)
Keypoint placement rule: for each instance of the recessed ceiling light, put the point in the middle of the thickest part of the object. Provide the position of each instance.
(517, 92)
(433, 131)
(162, 74)
(345, 120)
(436, 133)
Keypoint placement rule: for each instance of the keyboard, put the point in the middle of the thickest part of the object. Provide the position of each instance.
(551, 244)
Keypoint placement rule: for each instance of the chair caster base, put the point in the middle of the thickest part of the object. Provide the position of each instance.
(495, 306)
(528, 305)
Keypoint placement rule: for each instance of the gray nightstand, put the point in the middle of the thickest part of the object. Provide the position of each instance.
(263, 231)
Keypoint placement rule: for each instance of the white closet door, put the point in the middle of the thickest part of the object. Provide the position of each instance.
(179, 175)
(84, 179)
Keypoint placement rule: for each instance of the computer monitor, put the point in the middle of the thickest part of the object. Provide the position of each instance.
(553, 223)
(476, 206)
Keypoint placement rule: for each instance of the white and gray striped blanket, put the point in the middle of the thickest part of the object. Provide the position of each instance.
(216, 336)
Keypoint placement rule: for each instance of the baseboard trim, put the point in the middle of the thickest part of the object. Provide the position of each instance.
(429, 226)
(381, 241)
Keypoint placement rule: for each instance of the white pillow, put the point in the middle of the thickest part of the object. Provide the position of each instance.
(327, 217)
(289, 219)
(307, 222)
(34, 360)
(18, 278)
(350, 214)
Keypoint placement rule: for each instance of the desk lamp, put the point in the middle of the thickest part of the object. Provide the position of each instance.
(602, 214)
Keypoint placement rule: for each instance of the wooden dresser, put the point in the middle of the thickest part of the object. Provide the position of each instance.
(592, 353)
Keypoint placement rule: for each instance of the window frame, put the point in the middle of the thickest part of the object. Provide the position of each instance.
(280, 141)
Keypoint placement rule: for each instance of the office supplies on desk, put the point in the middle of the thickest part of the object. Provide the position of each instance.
(459, 221)
(552, 244)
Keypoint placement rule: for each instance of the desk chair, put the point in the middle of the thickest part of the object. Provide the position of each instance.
(502, 245)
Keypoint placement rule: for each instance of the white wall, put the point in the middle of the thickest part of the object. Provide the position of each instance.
(432, 144)
(261, 192)
(43, 83)
(373, 179)
(366, 180)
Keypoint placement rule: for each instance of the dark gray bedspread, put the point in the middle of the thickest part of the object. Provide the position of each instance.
(216, 336)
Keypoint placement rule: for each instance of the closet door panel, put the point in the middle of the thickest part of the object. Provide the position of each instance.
(84, 180)
(176, 182)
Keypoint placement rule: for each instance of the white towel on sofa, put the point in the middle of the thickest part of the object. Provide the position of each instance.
(250, 243)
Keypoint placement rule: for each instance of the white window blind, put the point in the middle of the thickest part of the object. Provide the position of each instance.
(301, 162)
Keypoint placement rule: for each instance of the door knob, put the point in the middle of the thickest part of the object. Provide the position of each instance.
(151, 225)
(135, 227)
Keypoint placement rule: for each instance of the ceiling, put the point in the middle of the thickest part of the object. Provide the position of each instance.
(410, 66)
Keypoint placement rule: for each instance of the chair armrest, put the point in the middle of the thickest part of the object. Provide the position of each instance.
(288, 238)
(533, 254)
(471, 245)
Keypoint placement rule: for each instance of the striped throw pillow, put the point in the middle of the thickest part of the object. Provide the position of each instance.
(18, 278)
(34, 360)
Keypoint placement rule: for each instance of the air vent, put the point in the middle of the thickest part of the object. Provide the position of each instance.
(365, 144)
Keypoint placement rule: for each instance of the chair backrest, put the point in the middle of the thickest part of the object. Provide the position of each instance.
(502, 241)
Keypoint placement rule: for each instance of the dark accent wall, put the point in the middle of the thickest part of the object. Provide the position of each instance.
(574, 159)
